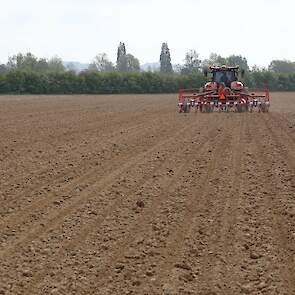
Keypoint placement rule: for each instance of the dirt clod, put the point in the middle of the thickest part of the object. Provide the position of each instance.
(140, 204)
(255, 255)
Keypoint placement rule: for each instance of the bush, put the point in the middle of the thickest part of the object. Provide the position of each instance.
(90, 82)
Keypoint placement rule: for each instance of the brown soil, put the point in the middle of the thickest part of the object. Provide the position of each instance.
(123, 195)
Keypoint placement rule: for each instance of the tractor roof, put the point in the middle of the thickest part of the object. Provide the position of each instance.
(223, 68)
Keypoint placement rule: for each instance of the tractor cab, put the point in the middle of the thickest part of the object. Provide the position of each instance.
(224, 74)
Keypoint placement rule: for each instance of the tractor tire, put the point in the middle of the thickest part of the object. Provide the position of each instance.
(240, 108)
(208, 108)
(264, 108)
(186, 108)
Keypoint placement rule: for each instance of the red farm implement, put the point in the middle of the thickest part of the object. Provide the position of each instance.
(223, 93)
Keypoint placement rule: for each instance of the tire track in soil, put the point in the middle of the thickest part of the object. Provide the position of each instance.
(166, 142)
(254, 240)
(224, 248)
(9, 202)
(241, 258)
(54, 218)
(181, 269)
(284, 124)
(251, 264)
(147, 117)
(133, 226)
(216, 226)
(239, 272)
(52, 196)
(170, 181)
(115, 125)
(83, 232)
(253, 235)
(279, 167)
(288, 141)
(243, 271)
(255, 258)
(81, 112)
(68, 189)
(59, 178)
(174, 240)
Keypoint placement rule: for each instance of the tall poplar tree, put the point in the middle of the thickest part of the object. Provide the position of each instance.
(121, 58)
(165, 59)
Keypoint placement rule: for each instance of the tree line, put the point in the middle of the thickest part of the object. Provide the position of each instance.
(25, 73)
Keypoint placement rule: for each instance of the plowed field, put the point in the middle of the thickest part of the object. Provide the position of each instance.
(123, 195)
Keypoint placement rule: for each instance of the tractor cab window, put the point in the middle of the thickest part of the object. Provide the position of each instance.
(225, 77)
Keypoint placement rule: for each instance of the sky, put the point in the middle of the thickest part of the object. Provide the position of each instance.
(77, 30)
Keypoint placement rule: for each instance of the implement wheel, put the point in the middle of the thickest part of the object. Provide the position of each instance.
(186, 106)
(264, 108)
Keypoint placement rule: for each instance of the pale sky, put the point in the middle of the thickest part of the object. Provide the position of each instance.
(76, 30)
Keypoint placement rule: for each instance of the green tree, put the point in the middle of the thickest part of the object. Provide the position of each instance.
(214, 60)
(282, 66)
(55, 64)
(165, 59)
(3, 68)
(121, 60)
(132, 63)
(192, 63)
(101, 63)
(257, 68)
(126, 62)
(237, 60)
(27, 61)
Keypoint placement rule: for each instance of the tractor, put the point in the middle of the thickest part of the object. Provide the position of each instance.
(223, 93)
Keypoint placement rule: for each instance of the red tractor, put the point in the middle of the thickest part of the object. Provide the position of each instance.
(224, 92)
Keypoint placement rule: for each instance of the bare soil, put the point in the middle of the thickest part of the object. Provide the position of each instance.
(123, 195)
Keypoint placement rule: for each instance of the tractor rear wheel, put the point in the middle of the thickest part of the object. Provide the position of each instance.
(186, 107)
